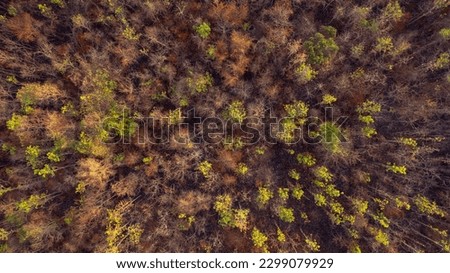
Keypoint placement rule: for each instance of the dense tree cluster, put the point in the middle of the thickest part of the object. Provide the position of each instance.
(358, 162)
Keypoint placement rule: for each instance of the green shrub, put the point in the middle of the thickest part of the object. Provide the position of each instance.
(312, 244)
(85, 144)
(175, 116)
(234, 144)
(240, 219)
(259, 239)
(229, 217)
(242, 169)
(328, 31)
(426, 206)
(211, 52)
(445, 33)
(283, 193)
(3, 235)
(236, 111)
(118, 122)
(147, 160)
(371, 25)
(287, 133)
(45, 10)
(205, 168)
(328, 99)
(392, 167)
(33, 202)
(200, 83)
(264, 195)
(323, 174)
(12, 11)
(32, 154)
(14, 122)
(222, 206)
(101, 96)
(305, 73)
(297, 192)
(360, 205)
(337, 209)
(408, 142)
(294, 174)
(367, 119)
(381, 219)
(443, 61)
(28, 95)
(280, 236)
(354, 248)
(368, 131)
(298, 110)
(402, 204)
(331, 191)
(4, 190)
(357, 50)
(369, 107)
(393, 11)
(203, 30)
(59, 3)
(384, 45)
(8, 148)
(320, 200)
(46, 171)
(53, 156)
(321, 48)
(130, 34)
(135, 231)
(260, 150)
(12, 79)
(365, 112)
(331, 134)
(185, 221)
(382, 237)
(306, 159)
(296, 116)
(286, 214)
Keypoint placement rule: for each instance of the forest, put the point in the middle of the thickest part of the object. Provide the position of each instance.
(224, 126)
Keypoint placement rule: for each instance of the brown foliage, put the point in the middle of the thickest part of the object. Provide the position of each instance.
(240, 44)
(235, 57)
(280, 13)
(228, 160)
(253, 54)
(229, 14)
(132, 158)
(221, 51)
(239, 67)
(95, 173)
(41, 93)
(84, 42)
(126, 186)
(58, 126)
(151, 169)
(126, 54)
(191, 202)
(41, 232)
(236, 241)
(23, 26)
(31, 127)
(229, 180)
